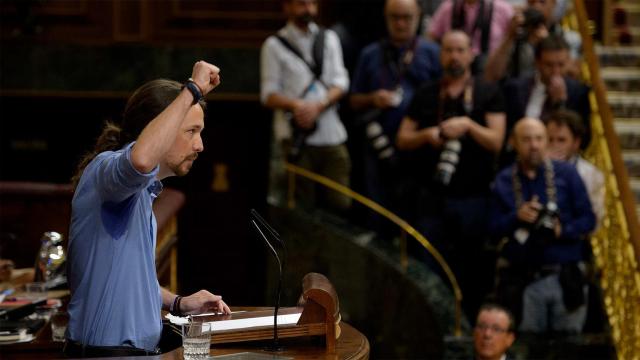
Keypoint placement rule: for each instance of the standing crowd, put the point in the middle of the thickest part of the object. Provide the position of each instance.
(473, 133)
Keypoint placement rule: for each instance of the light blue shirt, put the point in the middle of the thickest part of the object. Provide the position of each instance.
(115, 295)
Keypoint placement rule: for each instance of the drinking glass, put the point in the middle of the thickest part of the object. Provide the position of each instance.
(196, 340)
(59, 321)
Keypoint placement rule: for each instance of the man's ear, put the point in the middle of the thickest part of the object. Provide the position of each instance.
(511, 337)
(576, 145)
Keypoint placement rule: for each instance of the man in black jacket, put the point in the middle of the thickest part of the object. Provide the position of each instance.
(549, 89)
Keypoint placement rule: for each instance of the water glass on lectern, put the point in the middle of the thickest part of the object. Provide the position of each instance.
(196, 340)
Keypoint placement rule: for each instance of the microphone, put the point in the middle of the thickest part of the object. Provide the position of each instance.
(262, 227)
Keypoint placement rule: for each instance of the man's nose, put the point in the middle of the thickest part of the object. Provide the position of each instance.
(198, 145)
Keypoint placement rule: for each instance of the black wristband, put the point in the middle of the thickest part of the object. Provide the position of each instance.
(175, 307)
(194, 90)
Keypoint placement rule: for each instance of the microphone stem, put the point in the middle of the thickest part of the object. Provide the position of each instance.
(275, 316)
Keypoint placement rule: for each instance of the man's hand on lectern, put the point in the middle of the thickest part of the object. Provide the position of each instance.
(203, 302)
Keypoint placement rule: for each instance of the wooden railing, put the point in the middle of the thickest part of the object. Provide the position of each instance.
(616, 245)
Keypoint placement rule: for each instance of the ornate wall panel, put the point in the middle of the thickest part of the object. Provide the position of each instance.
(207, 23)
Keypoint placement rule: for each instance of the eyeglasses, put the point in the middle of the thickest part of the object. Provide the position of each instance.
(494, 328)
(400, 17)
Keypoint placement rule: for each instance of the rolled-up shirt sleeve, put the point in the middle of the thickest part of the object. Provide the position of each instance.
(270, 71)
(116, 178)
(334, 73)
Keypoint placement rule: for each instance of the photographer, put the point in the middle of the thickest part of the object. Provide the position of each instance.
(542, 207)
(388, 73)
(515, 55)
(302, 78)
(453, 130)
(485, 21)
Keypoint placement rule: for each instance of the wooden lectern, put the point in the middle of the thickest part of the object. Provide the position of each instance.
(319, 316)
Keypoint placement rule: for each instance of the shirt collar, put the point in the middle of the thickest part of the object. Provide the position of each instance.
(537, 80)
(297, 33)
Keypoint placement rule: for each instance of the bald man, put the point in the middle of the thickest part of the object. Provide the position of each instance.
(388, 73)
(542, 207)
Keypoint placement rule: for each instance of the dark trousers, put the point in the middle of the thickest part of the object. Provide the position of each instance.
(332, 162)
(74, 349)
(457, 227)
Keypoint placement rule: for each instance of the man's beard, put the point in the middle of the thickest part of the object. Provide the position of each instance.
(179, 169)
(304, 19)
(454, 70)
(534, 160)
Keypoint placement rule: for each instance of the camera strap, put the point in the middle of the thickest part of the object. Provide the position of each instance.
(396, 63)
(317, 50)
(549, 182)
(483, 21)
(467, 98)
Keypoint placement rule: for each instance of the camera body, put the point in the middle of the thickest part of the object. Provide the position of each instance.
(533, 18)
(542, 230)
(546, 218)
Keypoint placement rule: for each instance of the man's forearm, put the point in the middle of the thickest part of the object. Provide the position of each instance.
(334, 94)
(496, 66)
(359, 101)
(167, 298)
(158, 136)
(280, 102)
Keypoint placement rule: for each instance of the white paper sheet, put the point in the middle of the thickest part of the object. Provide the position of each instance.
(224, 325)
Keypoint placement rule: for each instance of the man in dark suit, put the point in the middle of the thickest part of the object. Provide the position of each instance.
(549, 89)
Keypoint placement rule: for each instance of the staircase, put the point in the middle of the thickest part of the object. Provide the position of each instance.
(620, 71)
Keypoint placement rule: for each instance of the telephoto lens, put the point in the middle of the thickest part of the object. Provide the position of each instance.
(379, 140)
(449, 158)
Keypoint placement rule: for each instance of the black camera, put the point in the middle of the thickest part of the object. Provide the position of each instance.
(449, 159)
(533, 18)
(541, 231)
(546, 220)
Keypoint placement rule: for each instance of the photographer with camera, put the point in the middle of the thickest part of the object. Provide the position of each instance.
(485, 21)
(515, 56)
(302, 78)
(542, 210)
(453, 130)
(388, 73)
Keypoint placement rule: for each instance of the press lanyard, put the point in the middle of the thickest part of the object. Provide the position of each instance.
(391, 65)
(467, 98)
(549, 182)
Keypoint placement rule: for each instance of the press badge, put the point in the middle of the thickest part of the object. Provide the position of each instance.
(397, 96)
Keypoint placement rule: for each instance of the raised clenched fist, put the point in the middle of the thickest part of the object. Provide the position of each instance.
(206, 76)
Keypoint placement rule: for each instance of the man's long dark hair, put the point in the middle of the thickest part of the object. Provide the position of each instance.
(146, 103)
